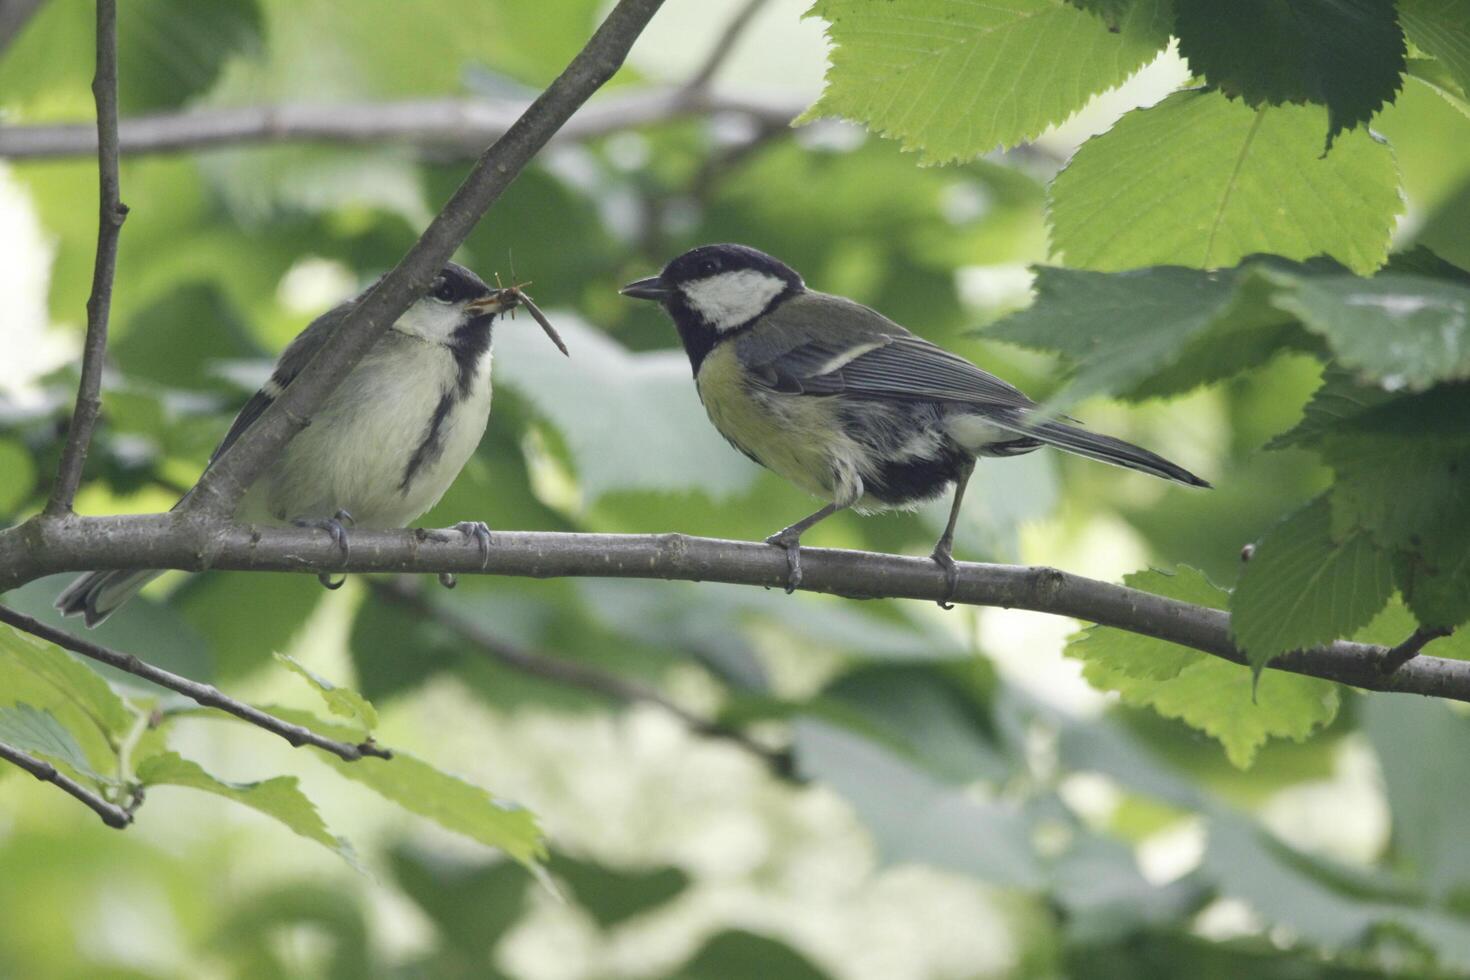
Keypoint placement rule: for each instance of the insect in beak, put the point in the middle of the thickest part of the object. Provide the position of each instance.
(508, 298)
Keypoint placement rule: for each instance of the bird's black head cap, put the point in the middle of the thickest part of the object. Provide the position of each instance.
(715, 292)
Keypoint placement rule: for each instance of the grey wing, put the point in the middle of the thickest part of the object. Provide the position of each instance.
(295, 357)
(837, 347)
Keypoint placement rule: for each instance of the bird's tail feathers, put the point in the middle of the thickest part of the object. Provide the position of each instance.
(1106, 449)
(97, 595)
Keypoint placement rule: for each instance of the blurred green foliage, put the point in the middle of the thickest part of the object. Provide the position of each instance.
(1226, 293)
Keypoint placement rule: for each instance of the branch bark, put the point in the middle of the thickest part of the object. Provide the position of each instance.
(111, 213)
(111, 814)
(203, 694)
(225, 482)
(447, 126)
(41, 547)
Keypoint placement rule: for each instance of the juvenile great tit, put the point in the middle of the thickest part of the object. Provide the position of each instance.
(386, 444)
(845, 403)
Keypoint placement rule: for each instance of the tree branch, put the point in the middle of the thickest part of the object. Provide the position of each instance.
(724, 46)
(111, 214)
(205, 694)
(570, 673)
(40, 547)
(448, 126)
(1409, 649)
(111, 814)
(225, 482)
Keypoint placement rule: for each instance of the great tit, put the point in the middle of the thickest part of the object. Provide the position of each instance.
(845, 403)
(386, 444)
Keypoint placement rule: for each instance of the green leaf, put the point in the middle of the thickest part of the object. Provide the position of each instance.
(168, 51)
(279, 797)
(1305, 586)
(1401, 479)
(17, 475)
(612, 896)
(1437, 78)
(1339, 399)
(341, 701)
(1112, 12)
(472, 905)
(1427, 319)
(1205, 692)
(1141, 333)
(954, 79)
(738, 953)
(1202, 181)
(1441, 28)
(38, 732)
(79, 683)
(448, 800)
(1344, 54)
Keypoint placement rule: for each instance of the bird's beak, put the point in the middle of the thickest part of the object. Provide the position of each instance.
(497, 302)
(653, 288)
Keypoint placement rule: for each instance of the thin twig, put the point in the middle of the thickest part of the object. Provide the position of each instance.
(225, 482)
(570, 673)
(724, 46)
(111, 814)
(1409, 649)
(111, 213)
(205, 694)
(448, 127)
(42, 547)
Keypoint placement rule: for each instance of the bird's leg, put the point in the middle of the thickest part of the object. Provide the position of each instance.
(942, 553)
(336, 526)
(790, 539)
(476, 531)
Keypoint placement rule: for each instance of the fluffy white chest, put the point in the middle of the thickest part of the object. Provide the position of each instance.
(387, 444)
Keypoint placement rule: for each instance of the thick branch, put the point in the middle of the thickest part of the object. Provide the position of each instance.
(111, 814)
(111, 212)
(223, 484)
(43, 547)
(450, 127)
(204, 694)
(569, 673)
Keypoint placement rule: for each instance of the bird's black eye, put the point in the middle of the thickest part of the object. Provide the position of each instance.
(707, 267)
(442, 290)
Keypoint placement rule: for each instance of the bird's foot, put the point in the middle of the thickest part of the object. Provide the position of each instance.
(336, 526)
(945, 560)
(792, 545)
(476, 531)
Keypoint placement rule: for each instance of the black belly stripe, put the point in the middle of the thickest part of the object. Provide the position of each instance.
(431, 446)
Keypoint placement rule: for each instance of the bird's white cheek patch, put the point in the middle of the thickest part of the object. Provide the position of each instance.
(430, 320)
(730, 299)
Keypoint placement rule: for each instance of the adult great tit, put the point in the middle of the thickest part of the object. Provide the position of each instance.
(845, 403)
(386, 444)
